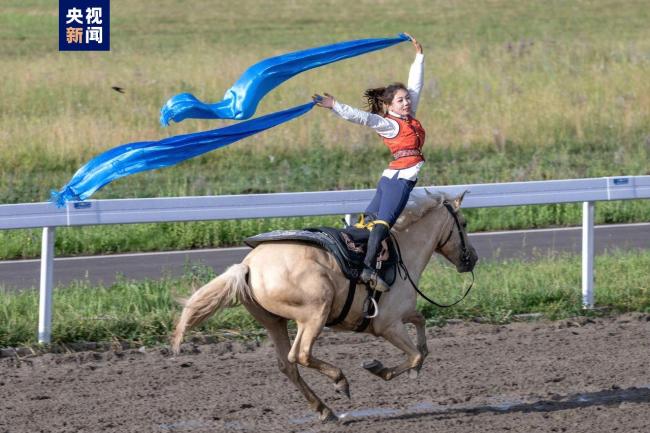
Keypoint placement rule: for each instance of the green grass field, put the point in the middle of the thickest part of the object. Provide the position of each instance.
(143, 312)
(514, 91)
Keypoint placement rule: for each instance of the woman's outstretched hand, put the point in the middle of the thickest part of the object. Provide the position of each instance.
(326, 101)
(416, 44)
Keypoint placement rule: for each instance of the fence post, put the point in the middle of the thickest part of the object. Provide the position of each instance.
(588, 254)
(47, 271)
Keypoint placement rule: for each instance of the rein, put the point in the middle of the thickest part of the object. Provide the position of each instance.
(464, 258)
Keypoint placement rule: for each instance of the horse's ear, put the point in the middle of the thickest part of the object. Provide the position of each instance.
(435, 196)
(459, 199)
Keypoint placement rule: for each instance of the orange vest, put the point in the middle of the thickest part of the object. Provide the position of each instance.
(406, 146)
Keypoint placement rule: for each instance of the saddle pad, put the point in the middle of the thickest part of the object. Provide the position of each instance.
(288, 235)
(313, 237)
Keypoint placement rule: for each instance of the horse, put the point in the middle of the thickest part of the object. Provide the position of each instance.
(288, 280)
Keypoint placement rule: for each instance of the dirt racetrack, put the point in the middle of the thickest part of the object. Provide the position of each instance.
(580, 375)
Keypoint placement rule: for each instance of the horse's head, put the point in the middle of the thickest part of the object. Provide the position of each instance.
(454, 244)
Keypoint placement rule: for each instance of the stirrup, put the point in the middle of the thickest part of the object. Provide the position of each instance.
(370, 300)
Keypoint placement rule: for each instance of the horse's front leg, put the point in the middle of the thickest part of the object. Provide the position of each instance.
(397, 334)
(417, 319)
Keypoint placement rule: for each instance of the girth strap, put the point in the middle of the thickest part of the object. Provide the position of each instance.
(352, 289)
(348, 303)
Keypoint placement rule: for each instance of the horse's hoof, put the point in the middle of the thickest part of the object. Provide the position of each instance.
(369, 365)
(342, 387)
(327, 416)
(413, 373)
(373, 366)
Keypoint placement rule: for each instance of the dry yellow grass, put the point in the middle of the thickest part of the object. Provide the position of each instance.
(495, 71)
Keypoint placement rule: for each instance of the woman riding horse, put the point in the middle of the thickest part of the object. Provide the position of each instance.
(289, 280)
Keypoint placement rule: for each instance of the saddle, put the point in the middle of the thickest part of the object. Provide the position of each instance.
(347, 245)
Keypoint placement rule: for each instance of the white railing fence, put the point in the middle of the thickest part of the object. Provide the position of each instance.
(153, 210)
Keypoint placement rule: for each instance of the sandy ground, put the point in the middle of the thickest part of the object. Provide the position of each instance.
(582, 375)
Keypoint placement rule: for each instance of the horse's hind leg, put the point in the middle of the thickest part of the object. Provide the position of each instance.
(277, 331)
(398, 336)
(308, 331)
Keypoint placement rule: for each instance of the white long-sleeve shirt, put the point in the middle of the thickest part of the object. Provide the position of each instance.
(387, 127)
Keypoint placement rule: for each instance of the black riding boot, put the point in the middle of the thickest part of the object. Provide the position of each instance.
(369, 274)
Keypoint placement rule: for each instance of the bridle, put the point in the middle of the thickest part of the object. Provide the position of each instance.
(465, 259)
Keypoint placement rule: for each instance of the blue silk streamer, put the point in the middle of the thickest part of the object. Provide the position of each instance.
(241, 100)
(147, 155)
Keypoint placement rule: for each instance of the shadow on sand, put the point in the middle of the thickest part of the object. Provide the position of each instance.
(573, 401)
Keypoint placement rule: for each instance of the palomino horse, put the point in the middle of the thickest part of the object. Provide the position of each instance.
(281, 281)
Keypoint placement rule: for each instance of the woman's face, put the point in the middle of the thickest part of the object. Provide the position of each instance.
(401, 103)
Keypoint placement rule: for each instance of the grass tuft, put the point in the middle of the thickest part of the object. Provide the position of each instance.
(143, 312)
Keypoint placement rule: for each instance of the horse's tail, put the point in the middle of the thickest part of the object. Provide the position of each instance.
(222, 292)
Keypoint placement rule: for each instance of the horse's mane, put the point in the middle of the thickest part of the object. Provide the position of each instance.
(420, 203)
